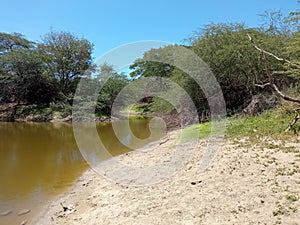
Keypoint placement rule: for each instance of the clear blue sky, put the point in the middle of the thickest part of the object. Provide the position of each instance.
(110, 23)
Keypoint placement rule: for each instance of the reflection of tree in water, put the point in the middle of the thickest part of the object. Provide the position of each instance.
(45, 155)
(37, 155)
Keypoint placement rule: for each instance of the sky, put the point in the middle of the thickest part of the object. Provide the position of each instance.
(111, 23)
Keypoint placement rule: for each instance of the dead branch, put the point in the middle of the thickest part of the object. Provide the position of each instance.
(297, 117)
(285, 97)
(272, 55)
(262, 85)
(272, 83)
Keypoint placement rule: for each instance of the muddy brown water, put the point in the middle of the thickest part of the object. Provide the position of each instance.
(39, 161)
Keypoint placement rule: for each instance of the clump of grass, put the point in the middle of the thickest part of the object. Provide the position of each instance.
(280, 210)
(292, 198)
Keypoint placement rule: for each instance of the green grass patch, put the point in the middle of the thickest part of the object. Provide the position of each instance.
(196, 131)
(270, 123)
(202, 130)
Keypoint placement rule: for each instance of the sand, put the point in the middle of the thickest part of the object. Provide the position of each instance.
(247, 184)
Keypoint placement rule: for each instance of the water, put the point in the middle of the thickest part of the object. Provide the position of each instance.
(41, 160)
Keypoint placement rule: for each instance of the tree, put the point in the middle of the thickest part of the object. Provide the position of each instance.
(145, 68)
(67, 57)
(9, 42)
(111, 88)
(226, 49)
(22, 77)
(271, 82)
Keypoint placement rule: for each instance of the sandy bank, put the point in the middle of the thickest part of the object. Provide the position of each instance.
(247, 184)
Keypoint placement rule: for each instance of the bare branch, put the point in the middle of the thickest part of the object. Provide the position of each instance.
(297, 117)
(273, 85)
(285, 97)
(262, 85)
(272, 55)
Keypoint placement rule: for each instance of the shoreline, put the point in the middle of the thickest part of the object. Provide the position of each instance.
(241, 187)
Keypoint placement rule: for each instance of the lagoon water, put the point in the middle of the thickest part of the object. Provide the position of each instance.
(41, 160)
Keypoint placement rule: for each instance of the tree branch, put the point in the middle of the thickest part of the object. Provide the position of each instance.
(285, 97)
(272, 55)
(297, 117)
(262, 85)
(273, 85)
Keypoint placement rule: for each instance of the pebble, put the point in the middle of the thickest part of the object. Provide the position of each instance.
(23, 222)
(6, 213)
(23, 212)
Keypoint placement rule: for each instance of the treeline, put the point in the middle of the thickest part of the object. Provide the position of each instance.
(47, 73)
(237, 66)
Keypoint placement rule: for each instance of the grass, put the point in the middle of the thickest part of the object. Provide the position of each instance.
(196, 131)
(202, 130)
(272, 123)
(292, 198)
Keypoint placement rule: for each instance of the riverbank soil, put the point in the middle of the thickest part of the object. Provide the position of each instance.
(248, 183)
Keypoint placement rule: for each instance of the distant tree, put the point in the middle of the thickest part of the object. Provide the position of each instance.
(21, 71)
(21, 74)
(9, 42)
(145, 68)
(111, 88)
(67, 58)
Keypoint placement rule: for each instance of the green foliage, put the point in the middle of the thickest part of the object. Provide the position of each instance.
(196, 131)
(230, 55)
(10, 42)
(236, 65)
(141, 107)
(67, 58)
(233, 60)
(21, 75)
(161, 105)
(111, 88)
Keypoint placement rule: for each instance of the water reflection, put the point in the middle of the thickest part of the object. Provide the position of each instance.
(39, 160)
(36, 156)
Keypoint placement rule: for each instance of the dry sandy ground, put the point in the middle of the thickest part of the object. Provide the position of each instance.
(247, 184)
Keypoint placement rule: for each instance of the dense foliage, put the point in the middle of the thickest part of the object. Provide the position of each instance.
(238, 67)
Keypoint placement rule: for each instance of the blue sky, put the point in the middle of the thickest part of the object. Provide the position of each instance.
(111, 23)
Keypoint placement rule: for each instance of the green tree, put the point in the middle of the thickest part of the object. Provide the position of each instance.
(21, 71)
(9, 42)
(111, 88)
(67, 58)
(227, 51)
(22, 78)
